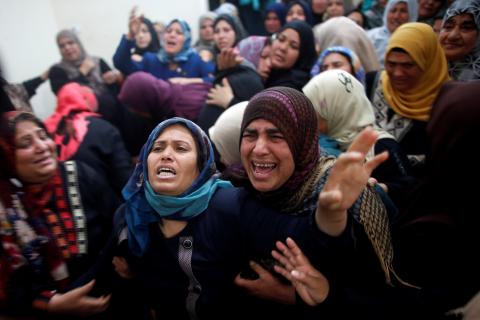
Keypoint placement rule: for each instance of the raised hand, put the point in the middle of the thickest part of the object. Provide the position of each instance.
(228, 58)
(310, 284)
(134, 22)
(77, 302)
(267, 286)
(347, 180)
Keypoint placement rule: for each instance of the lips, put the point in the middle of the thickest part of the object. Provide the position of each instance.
(262, 169)
(166, 172)
(43, 161)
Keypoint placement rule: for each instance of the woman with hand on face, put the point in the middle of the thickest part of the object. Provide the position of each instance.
(460, 39)
(55, 217)
(176, 60)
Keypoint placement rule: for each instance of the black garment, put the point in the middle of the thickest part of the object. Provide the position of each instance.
(245, 83)
(293, 78)
(102, 148)
(99, 203)
(5, 103)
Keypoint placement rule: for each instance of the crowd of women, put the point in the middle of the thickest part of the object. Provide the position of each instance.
(318, 171)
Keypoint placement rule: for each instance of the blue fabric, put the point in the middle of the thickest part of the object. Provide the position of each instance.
(143, 206)
(279, 8)
(194, 67)
(329, 146)
(351, 56)
(186, 50)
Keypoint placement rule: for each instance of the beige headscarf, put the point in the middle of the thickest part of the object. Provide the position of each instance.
(225, 133)
(340, 99)
(341, 31)
(421, 43)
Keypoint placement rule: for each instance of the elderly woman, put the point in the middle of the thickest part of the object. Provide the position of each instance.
(459, 37)
(176, 60)
(189, 233)
(55, 217)
(415, 70)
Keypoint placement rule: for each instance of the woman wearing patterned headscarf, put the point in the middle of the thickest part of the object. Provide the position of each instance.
(175, 61)
(55, 218)
(287, 171)
(343, 111)
(187, 232)
(460, 38)
(415, 70)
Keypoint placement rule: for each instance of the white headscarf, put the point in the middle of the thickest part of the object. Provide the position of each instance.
(225, 133)
(340, 99)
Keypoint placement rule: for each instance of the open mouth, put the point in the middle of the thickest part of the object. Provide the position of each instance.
(263, 168)
(43, 161)
(165, 172)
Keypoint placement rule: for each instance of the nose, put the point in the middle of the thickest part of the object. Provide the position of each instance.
(166, 154)
(261, 146)
(454, 33)
(397, 72)
(40, 145)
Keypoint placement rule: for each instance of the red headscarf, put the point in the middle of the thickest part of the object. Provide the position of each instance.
(69, 124)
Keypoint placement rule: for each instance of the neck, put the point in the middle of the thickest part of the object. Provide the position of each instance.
(171, 228)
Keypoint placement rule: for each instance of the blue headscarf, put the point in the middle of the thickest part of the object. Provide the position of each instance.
(186, 50)
(280, 10)
(144, 206)
(306, 9)
(355, 63)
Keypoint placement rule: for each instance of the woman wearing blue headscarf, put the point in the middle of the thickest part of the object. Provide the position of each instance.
(176, 60)
(186, 234)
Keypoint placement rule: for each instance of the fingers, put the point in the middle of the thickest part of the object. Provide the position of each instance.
(364, 141)
(284, 272)
(376, 161)
(258, 268)
(225, 82)
(330, 200)
(83, 290)
(282, 260)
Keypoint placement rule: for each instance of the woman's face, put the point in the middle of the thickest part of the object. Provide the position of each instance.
(335, 8)
(296, 13)
(173, 39)
(285, 49)
(35, 157)
(319, 6)
(143, 37)
(402, 70)
(458, 36)
(69, 49)
(397, 16)
(266, 156)
(206, 30)
(224, 35)
(265, 63)
(428, 8)
(336, 61)
(172, 162)
(272, 23)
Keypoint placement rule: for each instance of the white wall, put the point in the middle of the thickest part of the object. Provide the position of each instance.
(28, 29)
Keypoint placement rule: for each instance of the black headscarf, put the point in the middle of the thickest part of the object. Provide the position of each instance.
(154, 44)
(307, 53)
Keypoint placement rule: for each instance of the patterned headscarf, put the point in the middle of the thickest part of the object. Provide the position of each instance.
(468, 67)
(185, 52)
(421, 43)
(293, 114)
(144, 206)
(340, 99)
(69, 124)
(352, 58)
(72, 67)
(251, 48)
